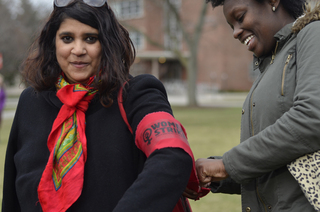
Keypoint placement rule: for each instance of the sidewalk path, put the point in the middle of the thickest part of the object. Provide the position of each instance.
(204, 100)
(211, 100)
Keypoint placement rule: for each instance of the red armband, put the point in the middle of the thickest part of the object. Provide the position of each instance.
(161, 130)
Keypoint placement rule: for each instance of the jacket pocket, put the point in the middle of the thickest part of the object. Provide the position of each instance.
(284, 73)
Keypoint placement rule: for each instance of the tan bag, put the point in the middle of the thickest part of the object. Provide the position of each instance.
(306, 170)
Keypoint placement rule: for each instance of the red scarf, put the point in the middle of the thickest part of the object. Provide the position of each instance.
(62, 180)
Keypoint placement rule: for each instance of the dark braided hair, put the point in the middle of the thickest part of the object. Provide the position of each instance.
(294, 7)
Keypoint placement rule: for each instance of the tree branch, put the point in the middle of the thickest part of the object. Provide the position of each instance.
(148, 38)
(199, 26)
(179, 22)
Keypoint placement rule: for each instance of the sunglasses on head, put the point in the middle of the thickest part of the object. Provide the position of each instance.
(93, 3)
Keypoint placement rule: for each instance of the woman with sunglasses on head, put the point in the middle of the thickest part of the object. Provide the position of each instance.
(281, 114)
(70, 148)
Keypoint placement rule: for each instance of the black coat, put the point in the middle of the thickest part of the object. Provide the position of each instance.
(117, 176)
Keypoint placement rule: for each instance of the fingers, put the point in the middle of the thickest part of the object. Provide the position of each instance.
(205, 184)
(209, 170)
(202, 166)
(192, 194)
(204, 179)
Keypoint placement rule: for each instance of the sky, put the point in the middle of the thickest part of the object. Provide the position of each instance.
(46, 3)
(14, 4)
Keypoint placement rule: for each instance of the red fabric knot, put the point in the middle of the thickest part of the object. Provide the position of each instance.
(62, 180)
(70, 97)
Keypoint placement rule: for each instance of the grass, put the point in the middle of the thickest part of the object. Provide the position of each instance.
(211, 131)
(4, 135)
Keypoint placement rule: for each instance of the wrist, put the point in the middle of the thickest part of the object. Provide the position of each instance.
(223, 171)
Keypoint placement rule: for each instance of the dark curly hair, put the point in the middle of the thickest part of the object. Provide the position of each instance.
(41, 69)
(294, 7)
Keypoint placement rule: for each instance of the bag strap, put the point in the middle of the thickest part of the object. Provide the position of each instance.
(122, 111)
(183, 203)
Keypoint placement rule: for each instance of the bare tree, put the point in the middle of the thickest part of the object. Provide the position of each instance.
(17, 32)
(192, 41)
(6, 31)
(182, 30)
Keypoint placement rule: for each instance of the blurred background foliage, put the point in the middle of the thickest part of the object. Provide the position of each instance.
(19, 24)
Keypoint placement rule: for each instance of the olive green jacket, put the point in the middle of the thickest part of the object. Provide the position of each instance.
(280, 122)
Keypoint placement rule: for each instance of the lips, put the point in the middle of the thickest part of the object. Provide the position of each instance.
(79, 64)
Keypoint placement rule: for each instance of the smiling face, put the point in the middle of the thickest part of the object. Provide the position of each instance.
(254, 24)
(78, 50)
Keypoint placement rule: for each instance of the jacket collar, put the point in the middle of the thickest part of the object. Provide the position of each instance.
(51, 97)
(311, 14)
(282, 36)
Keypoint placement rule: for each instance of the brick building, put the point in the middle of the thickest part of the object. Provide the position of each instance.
(223, 62)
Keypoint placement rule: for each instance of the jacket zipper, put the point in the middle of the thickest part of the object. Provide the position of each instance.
(274, 53)
(252, 128)
(271, 62)
(284, 73)
(264, 205)
(251, 108)
(251, 120)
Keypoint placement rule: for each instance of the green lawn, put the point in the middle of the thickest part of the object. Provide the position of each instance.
(4, 134)
(211, 131)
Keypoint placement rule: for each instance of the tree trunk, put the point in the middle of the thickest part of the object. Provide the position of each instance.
(192, 80)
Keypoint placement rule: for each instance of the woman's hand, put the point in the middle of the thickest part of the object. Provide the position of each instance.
(191, 194)
(210, 170)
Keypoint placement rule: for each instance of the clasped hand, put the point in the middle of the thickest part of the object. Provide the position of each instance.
(208, 170)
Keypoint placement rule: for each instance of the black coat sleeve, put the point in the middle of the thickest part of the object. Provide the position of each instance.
(166, 172)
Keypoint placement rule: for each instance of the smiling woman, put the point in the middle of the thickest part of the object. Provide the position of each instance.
(78, 50)
(254, 25)
(70, 149)
(281, 114)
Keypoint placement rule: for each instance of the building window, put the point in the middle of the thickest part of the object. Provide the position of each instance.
(137, 39)
(173, 35)
(128, 9)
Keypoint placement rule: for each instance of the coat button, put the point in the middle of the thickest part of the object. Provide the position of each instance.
(256, 63)
(248, 209)
(254, 104)
(242, 111)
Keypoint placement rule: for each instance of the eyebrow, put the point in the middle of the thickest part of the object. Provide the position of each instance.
(91, 34)
(236, 8)
(86, 34)
(232, 12)
(65, 33)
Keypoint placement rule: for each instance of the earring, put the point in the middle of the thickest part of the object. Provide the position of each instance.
(273, 8)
